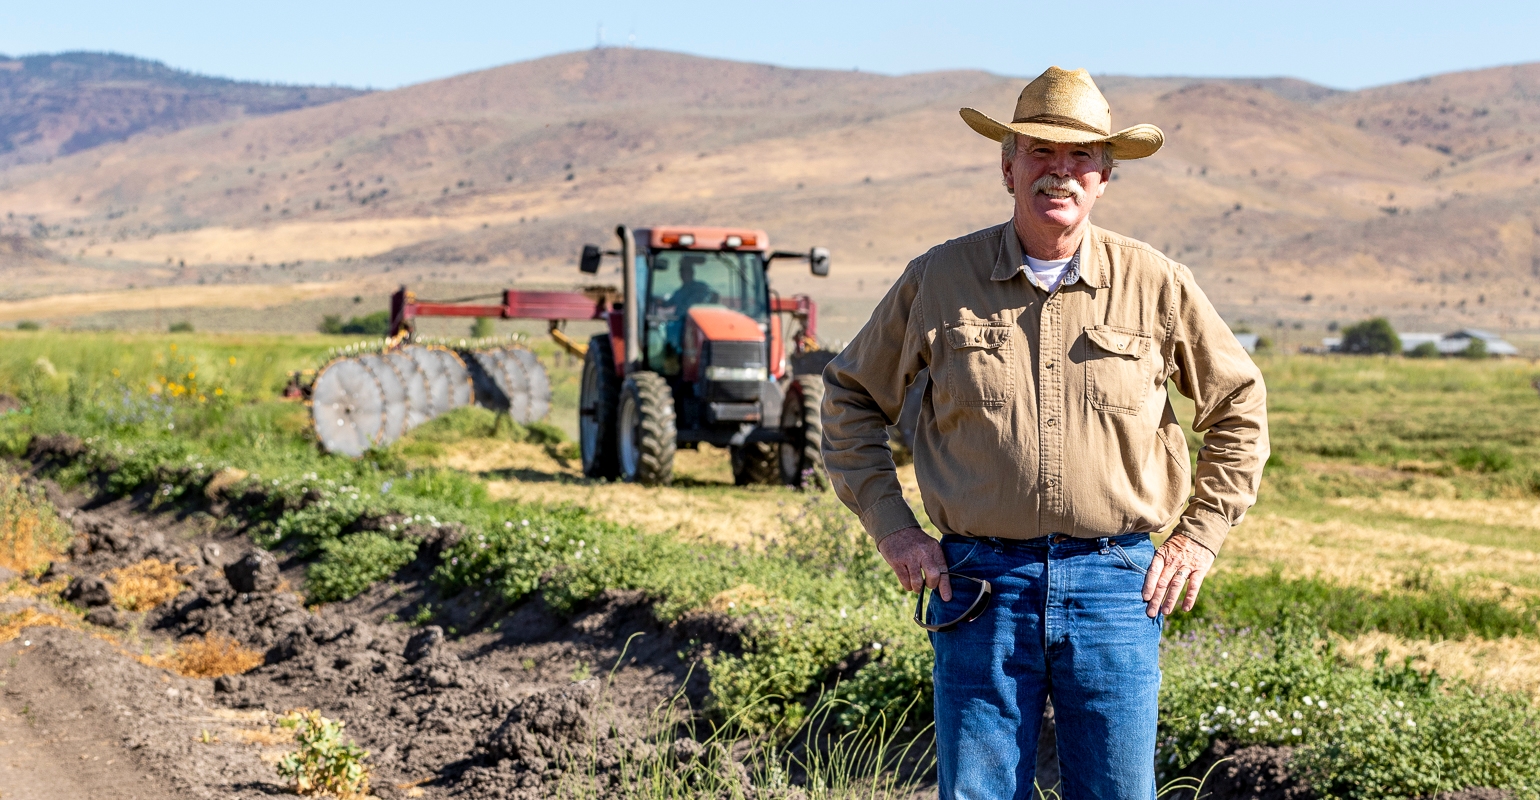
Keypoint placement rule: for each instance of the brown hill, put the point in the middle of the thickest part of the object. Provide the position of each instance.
(1295, 204)
(58, 104)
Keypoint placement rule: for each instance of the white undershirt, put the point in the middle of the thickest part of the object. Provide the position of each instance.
(1047, 274)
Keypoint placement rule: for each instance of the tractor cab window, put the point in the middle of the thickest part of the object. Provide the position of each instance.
(678, 280)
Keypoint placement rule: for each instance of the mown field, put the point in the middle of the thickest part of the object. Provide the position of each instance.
(1378, 612)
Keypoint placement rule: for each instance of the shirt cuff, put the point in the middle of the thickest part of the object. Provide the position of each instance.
(888, 516)
(1205, 527)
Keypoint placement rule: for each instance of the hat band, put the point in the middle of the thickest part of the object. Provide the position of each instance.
(1062, 122)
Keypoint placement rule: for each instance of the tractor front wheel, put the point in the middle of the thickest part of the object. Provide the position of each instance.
(598, 401)
(755, 463)
(802, 426)
(648, 434)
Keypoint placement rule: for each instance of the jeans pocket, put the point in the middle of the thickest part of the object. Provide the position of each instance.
(1129, 560)
(968, 550)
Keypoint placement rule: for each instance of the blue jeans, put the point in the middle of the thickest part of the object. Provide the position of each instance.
(1067, 620)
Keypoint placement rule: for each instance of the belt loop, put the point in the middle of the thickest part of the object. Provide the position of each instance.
(1105, 548)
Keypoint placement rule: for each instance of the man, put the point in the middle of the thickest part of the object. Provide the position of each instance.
(691, 292)
(1047, 453)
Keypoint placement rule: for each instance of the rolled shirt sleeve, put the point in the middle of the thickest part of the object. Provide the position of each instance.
(863, 394)
(1215, 372)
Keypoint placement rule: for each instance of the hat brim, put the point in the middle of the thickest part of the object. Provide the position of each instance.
(1139, 141)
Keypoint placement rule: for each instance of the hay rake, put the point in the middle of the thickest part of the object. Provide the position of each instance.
(372, 399)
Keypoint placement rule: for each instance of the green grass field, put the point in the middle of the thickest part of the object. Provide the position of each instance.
(1379, 610)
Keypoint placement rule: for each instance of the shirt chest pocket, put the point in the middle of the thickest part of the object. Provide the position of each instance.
(980, 363)
(1119, 367)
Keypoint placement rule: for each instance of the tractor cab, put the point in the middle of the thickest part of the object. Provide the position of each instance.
(707, 328)
(675, 282)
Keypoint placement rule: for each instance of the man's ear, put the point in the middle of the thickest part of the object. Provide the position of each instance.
(1106, 179)
(1005, 175)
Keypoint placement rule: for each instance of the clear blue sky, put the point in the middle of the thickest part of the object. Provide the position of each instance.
(386, 43)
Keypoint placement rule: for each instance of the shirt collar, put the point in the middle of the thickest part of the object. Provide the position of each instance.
(1071, 272)
(1086, 266)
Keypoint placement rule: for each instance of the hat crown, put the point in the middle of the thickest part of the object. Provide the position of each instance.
(1066, 98)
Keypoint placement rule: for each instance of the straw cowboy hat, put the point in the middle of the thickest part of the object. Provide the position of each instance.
(1066, 107)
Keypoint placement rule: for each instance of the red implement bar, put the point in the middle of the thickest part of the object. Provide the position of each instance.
(404, 307)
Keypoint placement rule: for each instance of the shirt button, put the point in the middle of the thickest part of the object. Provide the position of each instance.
(1048, 365)
(1049, 422)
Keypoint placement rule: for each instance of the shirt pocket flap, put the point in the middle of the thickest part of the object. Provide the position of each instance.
(1119, 341)
(983, 335)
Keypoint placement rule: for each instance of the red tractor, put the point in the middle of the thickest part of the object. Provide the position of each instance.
(696, 351)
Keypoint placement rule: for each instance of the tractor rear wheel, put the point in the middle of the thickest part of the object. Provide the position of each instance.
(648, 433)
(755, 463)
(598, 403)
(802, 425)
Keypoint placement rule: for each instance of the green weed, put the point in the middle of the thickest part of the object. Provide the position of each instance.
(324, 764)
(351, 564)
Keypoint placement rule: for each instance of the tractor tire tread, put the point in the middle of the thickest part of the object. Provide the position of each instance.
(657, 436)
(606, 462)
(756, 463)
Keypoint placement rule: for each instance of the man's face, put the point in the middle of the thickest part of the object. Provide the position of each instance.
(686, 273)
(1055, 184)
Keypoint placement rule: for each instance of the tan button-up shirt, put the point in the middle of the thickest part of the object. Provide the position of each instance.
(1047, 413)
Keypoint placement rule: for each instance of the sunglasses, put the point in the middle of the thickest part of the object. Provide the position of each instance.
(979, 587)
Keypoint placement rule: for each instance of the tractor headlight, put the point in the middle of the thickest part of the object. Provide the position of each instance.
(736, 373)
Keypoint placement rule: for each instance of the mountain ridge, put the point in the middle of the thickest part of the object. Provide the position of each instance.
(57, 104)
(1295, 204)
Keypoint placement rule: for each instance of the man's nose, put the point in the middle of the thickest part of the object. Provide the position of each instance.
(1062, 164)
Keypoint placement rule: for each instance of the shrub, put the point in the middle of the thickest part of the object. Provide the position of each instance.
(146, 584)
(351, 564)
(210, 657)
(1357, 733)
(31, 535)
(481, 328)
(28, 325)
(323, 764)
(1424, 350)
(882, 690)
(376, 324)
(183, 326)
(1477, 349)
(1371, 337)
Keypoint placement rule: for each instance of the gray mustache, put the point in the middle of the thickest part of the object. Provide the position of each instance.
(1056, 183)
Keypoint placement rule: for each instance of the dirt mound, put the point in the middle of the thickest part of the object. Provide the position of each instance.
(524, 754)
(484, 714)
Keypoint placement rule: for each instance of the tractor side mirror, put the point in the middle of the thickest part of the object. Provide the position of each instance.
(590, 260)
(818, 261)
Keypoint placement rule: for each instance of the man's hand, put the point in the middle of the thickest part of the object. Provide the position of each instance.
(1180, 560)
(917, 560)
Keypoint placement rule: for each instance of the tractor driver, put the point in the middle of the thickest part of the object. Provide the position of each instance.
(691, 292)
